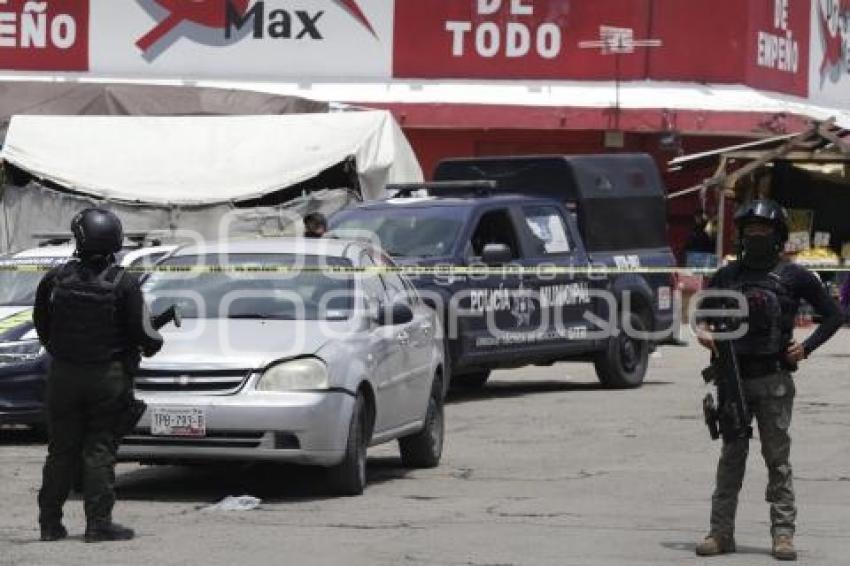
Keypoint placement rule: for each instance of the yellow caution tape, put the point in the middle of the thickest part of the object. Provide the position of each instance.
(444, 270)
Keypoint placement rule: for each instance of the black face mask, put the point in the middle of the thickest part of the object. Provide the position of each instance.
(759, 252)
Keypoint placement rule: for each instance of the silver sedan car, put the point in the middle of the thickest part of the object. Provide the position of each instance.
(287, 354)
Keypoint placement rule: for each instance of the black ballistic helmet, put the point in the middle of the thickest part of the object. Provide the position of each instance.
(767, 211)
(97, 232)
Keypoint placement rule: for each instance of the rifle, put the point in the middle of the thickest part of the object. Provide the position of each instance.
(136, 407)
(171, 314)
(730, 416)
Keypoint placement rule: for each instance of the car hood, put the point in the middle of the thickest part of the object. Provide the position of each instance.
(241, 344)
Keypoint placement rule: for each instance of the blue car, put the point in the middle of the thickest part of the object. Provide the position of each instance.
(23, 360)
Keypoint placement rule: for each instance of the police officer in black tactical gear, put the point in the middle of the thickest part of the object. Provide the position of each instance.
(91, 318)
(767, 355)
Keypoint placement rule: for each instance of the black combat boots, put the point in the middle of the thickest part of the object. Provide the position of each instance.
(51, 532)
(107, 532)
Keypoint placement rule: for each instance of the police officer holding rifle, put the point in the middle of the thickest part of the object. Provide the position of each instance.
(753, 372)
(91, 318)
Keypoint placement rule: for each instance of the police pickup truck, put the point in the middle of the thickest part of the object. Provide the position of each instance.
(536, 260)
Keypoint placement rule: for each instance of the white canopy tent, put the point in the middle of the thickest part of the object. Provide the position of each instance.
(169, 173)
(210, 159)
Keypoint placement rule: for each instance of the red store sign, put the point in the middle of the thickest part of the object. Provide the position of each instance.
(505, 39)
(44, 35)
(778, 57)
(762, 43)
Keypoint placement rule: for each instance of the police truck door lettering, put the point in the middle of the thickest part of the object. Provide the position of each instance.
(502, 299)
(522, 303)
(564, 295)
(490, 300)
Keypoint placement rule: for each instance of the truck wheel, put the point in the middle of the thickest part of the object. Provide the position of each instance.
(424, 449)
(475, 380)
(349, 477)
(623, 362)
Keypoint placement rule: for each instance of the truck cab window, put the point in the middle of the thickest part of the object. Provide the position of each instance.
(548, 230)
(495, 227)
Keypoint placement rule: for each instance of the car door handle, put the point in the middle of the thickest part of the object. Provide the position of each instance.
(403, 338)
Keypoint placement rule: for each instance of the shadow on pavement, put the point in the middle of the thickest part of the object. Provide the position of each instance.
(209, 483)
(690, 548)
(508, 389)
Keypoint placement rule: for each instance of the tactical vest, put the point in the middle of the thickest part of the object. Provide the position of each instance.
(772, 310)
(84, 325)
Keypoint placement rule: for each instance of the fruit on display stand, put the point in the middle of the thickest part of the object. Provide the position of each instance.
(817, 256)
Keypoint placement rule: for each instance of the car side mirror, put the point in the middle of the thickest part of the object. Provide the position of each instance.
(496, 254)
(397, 313)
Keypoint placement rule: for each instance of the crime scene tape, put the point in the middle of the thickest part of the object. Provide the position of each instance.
(411, 270)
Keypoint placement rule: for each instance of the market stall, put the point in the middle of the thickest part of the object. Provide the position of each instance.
(212, 175)
(808, 173)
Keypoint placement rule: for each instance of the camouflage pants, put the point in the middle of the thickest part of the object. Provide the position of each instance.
(771, 401)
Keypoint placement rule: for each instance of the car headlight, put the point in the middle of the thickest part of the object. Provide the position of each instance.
(295, 375)
(18, 352)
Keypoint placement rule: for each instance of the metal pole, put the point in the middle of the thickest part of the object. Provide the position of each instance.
(721, 223)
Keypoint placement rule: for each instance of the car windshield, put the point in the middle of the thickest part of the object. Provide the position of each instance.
(248, 287)
(19, 280)
(404, 232)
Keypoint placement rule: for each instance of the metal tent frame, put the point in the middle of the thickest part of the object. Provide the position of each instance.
(822, 143)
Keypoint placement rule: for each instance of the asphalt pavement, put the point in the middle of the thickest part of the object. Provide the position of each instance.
(541, 467)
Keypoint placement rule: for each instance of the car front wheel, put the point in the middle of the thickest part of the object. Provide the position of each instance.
(349, 476)
(425, 448)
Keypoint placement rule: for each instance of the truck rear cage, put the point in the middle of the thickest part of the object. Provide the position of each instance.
(619, 199)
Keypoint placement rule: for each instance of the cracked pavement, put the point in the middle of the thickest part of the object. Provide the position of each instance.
(542, 467)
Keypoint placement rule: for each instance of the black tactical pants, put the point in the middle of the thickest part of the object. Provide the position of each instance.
(83, 405)
(771, 400)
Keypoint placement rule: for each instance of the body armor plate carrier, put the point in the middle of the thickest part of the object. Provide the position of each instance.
(772, 310)
(84, 325)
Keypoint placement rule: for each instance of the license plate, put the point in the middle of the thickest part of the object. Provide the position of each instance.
(178, 421)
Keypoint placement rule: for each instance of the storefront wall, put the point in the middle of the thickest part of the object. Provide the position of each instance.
(799, 49)
(793, 47)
